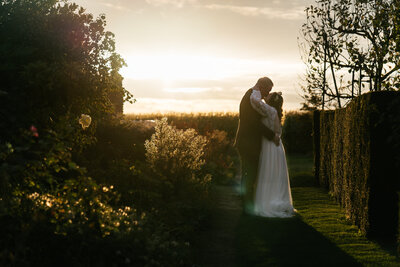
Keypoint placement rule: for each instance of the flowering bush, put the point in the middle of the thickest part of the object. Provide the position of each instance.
(177, 154)
(175, 159)
(51, 206)
(81, 205)
(221, 159)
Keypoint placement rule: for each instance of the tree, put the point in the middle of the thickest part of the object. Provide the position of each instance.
(56, 61)
(349, 47)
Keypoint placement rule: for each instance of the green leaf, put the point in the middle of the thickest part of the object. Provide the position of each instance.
(73, 165)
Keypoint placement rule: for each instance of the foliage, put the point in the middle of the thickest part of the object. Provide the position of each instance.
(220, 156)
(347, 45)
(44, 187)
(176, 155)
(297, 131)
(48, 201)
(355, 152)
(61, 64)
(221, 159)
(56, 60)
(220, 129)
(118, 159)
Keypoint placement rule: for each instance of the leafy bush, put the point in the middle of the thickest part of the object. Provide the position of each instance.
(51, 204)
(176, 201)
(177, 155)
(60, 62)
(221, 158)
(56, 60)
(175, 160)
(297, 132)
(46, 188)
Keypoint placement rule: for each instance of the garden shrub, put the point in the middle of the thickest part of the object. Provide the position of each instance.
(47, 189)
(358, 160)
(220, 157)
(176, 158)
(297, 132)
(56, 60)
(58, 201)
(50, 206)
(220, 129)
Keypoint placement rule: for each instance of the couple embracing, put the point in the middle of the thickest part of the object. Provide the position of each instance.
(265, 183)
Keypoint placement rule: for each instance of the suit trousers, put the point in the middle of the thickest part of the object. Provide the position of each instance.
(249, 166)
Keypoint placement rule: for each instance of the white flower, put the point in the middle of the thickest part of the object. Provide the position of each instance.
(85, 121)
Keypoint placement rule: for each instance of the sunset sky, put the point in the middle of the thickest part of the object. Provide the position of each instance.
(202, 55)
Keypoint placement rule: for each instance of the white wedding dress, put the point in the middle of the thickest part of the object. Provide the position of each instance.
(273, 196)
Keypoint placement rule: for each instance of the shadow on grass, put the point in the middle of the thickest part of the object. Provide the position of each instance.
(280, 242)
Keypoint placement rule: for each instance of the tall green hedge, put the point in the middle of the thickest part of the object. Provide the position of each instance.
(357, 160)
(316, 143)
(297, 132)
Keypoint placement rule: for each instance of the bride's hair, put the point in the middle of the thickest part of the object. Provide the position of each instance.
(276, 100)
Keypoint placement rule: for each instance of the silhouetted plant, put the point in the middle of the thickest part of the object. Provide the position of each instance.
(297, 132)
(55, 60)
(349, 47)
(176, 154)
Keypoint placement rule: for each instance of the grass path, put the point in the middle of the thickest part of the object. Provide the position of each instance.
(217, 239)
(318, 236)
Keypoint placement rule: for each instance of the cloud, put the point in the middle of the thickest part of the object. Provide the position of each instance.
(175, 3)
(273, 13)
(114, 6)
(293, 13)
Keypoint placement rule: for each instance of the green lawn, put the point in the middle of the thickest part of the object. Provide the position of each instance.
(320, 212)
(319, 235)
(300, 170)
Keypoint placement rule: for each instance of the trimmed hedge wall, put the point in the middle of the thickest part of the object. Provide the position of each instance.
(357, 160)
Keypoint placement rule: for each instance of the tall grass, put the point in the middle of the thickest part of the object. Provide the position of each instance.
(202, 122)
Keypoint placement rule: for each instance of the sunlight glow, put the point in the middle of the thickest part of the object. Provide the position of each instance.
(191, 89)
(173, 66)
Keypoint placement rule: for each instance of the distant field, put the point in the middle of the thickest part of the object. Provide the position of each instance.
(202, 122)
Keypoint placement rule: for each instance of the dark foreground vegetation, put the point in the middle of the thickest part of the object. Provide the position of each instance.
(79, 185)
(83, 185)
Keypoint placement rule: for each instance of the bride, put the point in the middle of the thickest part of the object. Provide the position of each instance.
(273, 197)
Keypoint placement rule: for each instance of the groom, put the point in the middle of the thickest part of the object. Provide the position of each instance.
(248, 141)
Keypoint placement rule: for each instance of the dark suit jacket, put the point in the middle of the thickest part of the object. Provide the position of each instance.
(250, 130)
